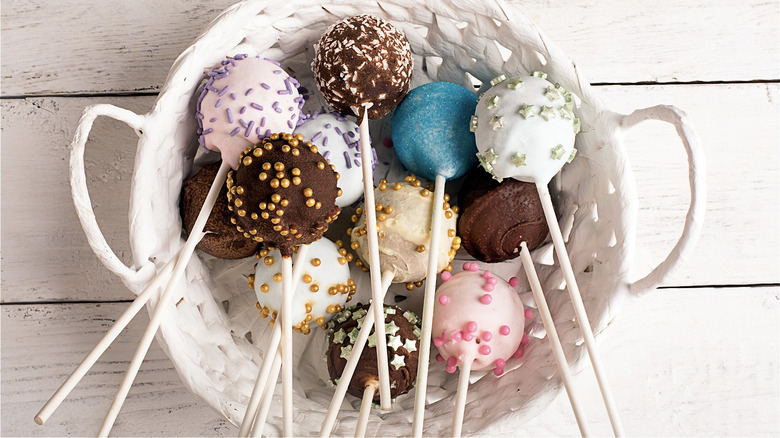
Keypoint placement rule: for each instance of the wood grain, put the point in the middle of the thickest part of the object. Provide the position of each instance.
(119, 47)
(671, 374)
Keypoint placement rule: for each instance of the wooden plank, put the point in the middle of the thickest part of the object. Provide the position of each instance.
(673, 371)
(116, 47)
(46, 257)
(42, 344)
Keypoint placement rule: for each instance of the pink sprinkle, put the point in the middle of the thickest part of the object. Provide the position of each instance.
(439, 358)
(446, 275)
(519, 353)
(474, 267)
(471, 326)
(486, 299)
(452, 361)
(485, 349)
(457, 336)
(487, 336)
(487, 274)
(468, 337)
(529, 313)
(489, 287)
(444, 300)
(451, 369)
(388, 142)
(504, 330)
(438, 342)
(525, 340)
(467, 266)
(514, 281)
(500, 363)
(492, 280)
(498, 371)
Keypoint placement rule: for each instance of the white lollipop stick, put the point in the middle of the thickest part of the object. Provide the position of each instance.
(162, 306)
(262, 376)
(428, 301)
(268, 396)
(552, 337)
(365, 409)
(460, 397)
(373, 260)
(354, 357)
(75, 377)
(287, 363)
(579, 307)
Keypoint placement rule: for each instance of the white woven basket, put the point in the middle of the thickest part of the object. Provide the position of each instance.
(459, 41)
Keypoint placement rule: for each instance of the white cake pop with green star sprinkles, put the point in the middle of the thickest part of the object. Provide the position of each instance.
(525, 128)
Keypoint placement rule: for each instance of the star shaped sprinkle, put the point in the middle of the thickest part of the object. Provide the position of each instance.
(551, 93)
(497, 122)
(497, 80)
(572, 155)
(353, 335)
(391, 328)
(473, 123)
(416, 331)
(557, 152)
(539, 74)
(359, 313)
(397, 362)
(491, 101)
(394, 342)
(389, 310)
(565, 113)
(514, 83)
(339, 336)
(410, 345)
(547, 113)
(577, 126)
(527, 111)
(346, 351)
(485, 163)
(411, 317)
(518, 159)
(372, 340)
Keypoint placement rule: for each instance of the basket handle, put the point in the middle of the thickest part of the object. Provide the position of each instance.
(697, 179)
(78, 183)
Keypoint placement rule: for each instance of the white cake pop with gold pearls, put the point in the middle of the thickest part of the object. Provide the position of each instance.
(323, 289)
(525, 128)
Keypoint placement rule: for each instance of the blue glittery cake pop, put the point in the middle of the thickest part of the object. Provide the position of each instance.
(430, 130)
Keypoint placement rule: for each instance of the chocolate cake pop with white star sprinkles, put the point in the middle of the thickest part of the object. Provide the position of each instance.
(363, 59)
(402, 332)
(525, 128)
(324, 285)
(283, 193)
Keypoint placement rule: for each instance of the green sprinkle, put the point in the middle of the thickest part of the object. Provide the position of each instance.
(577, 126)
(527, 111)
(416, 331)
(571, 155)
(557, 152)
(565, 113)
(353, 336)
(497, 122)
(518, 159)
(473, 123)
(339, 336)
(397, 362)
(411, 317)
(552, 94)
(372, 340)
(514, 83)
(410, 345)
(391, 328)
(497, 80)
(395, 342)
(389, 310)
(359, 314)
(491, 101)
(346, 351)
(539, 74)
(547, 113)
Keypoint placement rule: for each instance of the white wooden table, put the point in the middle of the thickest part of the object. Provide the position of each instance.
(697, 357)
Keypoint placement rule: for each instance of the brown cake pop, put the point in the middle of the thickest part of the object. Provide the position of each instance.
(222, 240)
(402, 347)
(363, 59)
(283, 193)
(496, 217)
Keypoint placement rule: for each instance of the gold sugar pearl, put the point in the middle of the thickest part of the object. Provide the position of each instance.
(296, 171)
(333, 308)
(314, 149)
(332, 290)
(421, 248)
(271, 206)
(285, 183)
(316, 262)
(355, 246)
(268, 146)
(274, 183)
(418, 283)
(380, 207)
(320, 321)
(278, 166)
(321, 165)
(349, 257)
(284, 203)
(382, 186)
(456, 241)
(448, 214)
(269, 260)
(450, 233)
(246, 161)
(277, 228)
(310, 202)
(280, 175)
(307, 278)
(241, 213)
(448, 268)
(264, 288)
(416, 183)
(286, 149)
(308, 307)
(307, 192)
(381, 217)
(263, 176)
(298, 136)
(267, 166)
(342, 261)
(383, 181)
(239, 190)
(293, 142)
(446, 206)
(257, 152)
(409, 286)
(397, 186)
(318, 205)
(274, 136)
(276, 220)
(389, 209)
(276, 197)
(238, 202)
(278, 277)
(425, 192)
(455, 209)
(280, 212)
(314, 288)
(342, 251)
(446, 198)
(296, 180)
(295, 152)
(233, 220)
(338, 191)
(264, 215)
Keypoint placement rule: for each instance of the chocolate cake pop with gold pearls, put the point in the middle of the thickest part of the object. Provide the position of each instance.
(283, 193)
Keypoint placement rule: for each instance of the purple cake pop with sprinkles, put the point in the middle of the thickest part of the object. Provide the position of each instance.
(337, 137)
(243, 101)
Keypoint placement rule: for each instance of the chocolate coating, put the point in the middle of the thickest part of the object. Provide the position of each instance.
(363, 59)
(403, 344)
(222, 240)
(496, 217)
(283, 193)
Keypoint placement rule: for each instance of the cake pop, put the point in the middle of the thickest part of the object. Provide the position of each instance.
(243, 101)
(222, 240)
(496, 217)
(478, 324)
(363, 66)
(525, 128)
(430, 132)
(337, 138)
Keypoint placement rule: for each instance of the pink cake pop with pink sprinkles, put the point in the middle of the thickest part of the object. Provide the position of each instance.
(479, 317)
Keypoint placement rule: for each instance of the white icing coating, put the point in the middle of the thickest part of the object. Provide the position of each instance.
(465, 304)
(337, 138)
(321, 268)
(252, 83)
(525, 128)
(405, 230)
